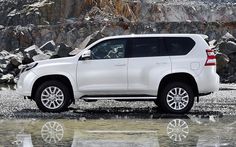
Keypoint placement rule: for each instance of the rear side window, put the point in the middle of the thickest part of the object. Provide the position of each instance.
(146, 47)
(179, 45)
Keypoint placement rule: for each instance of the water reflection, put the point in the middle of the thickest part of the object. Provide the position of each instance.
(52, 132)
(177, 130)
(190, 130)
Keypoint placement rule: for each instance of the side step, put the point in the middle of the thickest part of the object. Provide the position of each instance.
(119, 98)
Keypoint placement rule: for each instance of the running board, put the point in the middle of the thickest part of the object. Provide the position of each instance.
(120, 98)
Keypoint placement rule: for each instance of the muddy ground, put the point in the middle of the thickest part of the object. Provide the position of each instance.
(13, 105)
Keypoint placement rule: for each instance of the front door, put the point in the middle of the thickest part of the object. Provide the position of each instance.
(106, 71)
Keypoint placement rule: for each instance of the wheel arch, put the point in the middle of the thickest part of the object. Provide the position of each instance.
(179, 77)
(57, 77)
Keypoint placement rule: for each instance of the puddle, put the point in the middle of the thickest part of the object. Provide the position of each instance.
(183, 130)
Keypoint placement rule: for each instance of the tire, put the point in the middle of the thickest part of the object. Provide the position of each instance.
(177, 98)
(52, 96)
(157, 102)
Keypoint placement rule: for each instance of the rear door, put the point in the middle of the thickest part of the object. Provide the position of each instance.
(147, 64)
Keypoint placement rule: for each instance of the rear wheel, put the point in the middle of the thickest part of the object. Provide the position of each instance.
(52, 96)
(177, 97)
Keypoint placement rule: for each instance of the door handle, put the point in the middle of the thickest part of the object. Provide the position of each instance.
(159, 63)
(120, 64)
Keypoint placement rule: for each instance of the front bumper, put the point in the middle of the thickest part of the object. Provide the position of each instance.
(25, 83)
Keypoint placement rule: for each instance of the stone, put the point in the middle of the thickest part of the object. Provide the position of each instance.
(222, 61)
(6, 78)
(40, 57)
(228, 36)
(3, 61)
(63, 50)
(27, 59)
(15, 72)
(32, 50)
(212, 43)
(50, 45)
(85, 43)
(232, 78)
(16, 61)
(227, 47)
(4, 53)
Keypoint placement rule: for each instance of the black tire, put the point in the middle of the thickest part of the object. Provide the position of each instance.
(65, 92)
(163, 98)
(157, 102)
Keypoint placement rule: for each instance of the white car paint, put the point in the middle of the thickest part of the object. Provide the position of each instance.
(132, 76)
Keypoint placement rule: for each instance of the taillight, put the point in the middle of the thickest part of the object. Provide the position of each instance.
(211, 58)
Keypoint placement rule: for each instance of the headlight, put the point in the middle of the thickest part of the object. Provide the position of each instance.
(28, 67)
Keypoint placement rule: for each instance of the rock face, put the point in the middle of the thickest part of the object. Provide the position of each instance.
(226, 61)
(32, 30)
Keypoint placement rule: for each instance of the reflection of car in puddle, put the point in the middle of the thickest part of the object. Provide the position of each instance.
(115, 138)
(194, 130)
(52, 132)
(177, 130)
(23, 140)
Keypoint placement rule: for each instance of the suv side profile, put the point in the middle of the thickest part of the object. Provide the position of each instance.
(169, 69)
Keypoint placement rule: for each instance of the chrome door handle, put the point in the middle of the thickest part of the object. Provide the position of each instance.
(158, 63)
(120, 64)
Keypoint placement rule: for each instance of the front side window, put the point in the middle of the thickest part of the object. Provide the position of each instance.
(109, 49)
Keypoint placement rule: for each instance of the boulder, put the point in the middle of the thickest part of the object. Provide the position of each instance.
(3, 61)
(227, 47)
(222, 61)
(228, 37)
(88, 40)
(27, 59)
(41, 57)
(16, 61)
(32, 51)
(63, 50)
(232, 60)
(4, 53)
(213, 43)
(48, 46)
(15, 72)
(6, 78)
(232, 78)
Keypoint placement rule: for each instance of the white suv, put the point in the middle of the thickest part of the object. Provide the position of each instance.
(169, 69)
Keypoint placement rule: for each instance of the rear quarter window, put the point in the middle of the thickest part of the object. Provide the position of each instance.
(179, 45)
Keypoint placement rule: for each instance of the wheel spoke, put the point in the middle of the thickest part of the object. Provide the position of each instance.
(171, 92)
(184, 92)
(176, 91)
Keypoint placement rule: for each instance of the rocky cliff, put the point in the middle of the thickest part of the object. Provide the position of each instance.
(25, 23)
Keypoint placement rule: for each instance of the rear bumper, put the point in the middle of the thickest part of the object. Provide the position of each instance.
(208, 81)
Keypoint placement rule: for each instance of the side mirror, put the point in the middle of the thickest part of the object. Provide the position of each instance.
(86, 55)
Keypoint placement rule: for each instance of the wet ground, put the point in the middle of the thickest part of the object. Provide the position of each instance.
(167, 130)
(211, 122)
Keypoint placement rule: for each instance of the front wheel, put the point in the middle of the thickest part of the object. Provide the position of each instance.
(52, 96)
(177, 98)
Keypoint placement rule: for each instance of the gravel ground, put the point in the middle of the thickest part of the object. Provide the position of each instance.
(14, 106)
